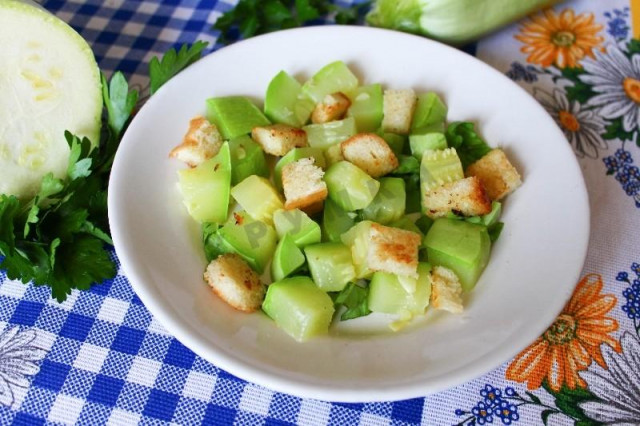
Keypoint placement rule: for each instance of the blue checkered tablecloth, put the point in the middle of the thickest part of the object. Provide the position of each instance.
(101, 357)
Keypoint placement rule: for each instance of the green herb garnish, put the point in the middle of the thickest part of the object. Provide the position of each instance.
(60, 238)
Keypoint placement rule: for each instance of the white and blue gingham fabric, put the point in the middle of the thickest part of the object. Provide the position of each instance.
(101, 358)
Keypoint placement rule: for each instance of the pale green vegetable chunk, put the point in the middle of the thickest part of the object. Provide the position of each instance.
(234, 115)
(205, 189)
(366, 108)
(350, 187)
(330, 264)
(286, 259)
(331, 133)
(285, 102)
(299, 308)
(302, 229)
(332, 78)
(258, 197)
(387, 294)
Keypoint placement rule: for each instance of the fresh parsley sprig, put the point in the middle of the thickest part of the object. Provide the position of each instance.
(254, 17)
(60, 238)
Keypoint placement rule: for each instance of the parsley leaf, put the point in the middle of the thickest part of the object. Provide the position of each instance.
(468, 144)
(161, 70)
(354, 298)
(118, 100)
(251, 17)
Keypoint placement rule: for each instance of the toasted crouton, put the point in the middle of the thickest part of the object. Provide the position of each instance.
(393, 250)
(303, 185)
(201, 142)
(446, 290)
(278, 139)
(465, 196)
(497, 174)
(371, 153)
(333, 107)
(398, 107)
(235, 282)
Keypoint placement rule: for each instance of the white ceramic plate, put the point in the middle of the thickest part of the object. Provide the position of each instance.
(533, 269)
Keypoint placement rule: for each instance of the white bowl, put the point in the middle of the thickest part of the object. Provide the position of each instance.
(533, 268)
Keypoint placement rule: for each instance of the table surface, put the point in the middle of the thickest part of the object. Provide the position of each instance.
(101, 358)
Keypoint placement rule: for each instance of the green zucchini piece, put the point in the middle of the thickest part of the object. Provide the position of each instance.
(389, 203)
(439, 167)
(426, 142)
(258, 198)
(330, 265)
(205, 188)
(286, 259)
(460, 246)
(332, 78)
(366, 108)
(302, 229)
(430, 114)
(247, 158)
(253, 240)
(235, 115)
(285, 103)
(335, 221)
(298, 307)
(331, 133)
(349, 186)
(387, 294)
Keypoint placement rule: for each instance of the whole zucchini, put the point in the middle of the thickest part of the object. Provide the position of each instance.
(451, 21)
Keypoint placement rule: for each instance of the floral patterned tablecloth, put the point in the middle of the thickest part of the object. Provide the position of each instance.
(100, 357)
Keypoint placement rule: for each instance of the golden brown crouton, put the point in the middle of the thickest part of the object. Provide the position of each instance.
(201, 142)
(371, 153)
(398, 107)
(303, 185)
(464, 196)
(497, 174)
(235, 282)
(446, 290)
(278, 139)
(393, 250)
(333, 107)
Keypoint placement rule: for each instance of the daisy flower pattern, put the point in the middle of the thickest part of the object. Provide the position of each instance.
(559, 39)
(572, 342)
(616, 80)
(18, 361)
(582, 127)
(618, 388)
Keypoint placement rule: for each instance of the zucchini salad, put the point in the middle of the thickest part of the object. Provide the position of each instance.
(339, 199)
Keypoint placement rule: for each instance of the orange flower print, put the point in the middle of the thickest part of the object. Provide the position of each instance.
(562, 39)
(571, 342)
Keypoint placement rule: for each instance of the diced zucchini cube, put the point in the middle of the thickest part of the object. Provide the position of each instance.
(389, 203)
(234, 115)
(286, 259)
(258, 197)
(366, 108)
(205, 188)
(285, 103)
(420, 143)
(387, 294)
(247, 158)
(430, 114)
(302, 229)
(299, 307)
(439, 167)
(460, 246)
(253, 240)
(333, 132)
(335, 221)
(332, 78)
(349, 186)
(330, 264)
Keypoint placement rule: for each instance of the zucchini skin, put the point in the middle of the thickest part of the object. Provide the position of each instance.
(451, 21)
